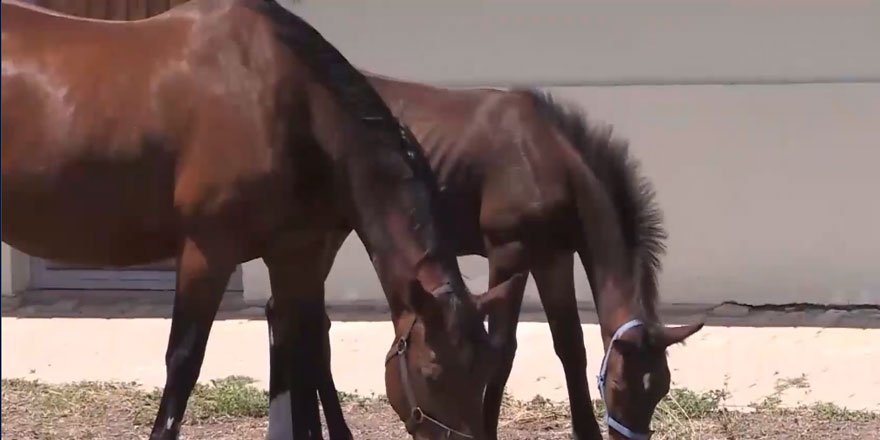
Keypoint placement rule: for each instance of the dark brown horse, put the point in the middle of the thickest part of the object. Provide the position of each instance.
(219, 132)
(530, 183)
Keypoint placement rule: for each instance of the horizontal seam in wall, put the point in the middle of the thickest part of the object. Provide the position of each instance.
(664, 83)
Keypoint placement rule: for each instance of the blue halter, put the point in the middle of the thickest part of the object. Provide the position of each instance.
(603, 373)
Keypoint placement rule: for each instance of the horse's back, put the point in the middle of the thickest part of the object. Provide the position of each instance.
(70, 67)
(500, 165)
(114, 133)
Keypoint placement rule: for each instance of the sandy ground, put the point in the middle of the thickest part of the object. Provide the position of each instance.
(830, 364)
(112, 411)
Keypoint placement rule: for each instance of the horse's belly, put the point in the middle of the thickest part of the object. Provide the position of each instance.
(462, 211)
(88, 221)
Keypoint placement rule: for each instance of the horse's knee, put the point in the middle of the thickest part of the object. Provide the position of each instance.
(183, 361)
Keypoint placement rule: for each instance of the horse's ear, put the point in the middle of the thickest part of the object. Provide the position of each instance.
(500, 293)
(676, 335)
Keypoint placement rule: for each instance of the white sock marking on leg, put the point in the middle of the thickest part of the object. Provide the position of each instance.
(280, 422)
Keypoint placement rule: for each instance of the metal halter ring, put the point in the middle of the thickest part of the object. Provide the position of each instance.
(417, 415)
(402, 345)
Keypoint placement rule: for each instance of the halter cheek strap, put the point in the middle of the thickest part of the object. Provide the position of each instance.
(417, 416)
(603, 375)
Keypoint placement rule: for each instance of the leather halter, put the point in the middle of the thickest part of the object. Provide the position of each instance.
(603, 374)
(417, 416)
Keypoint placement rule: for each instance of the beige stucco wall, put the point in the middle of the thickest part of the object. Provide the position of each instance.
(768, 186)
(576, 42)
(768, 183)
(16, 274)
(6, 267)
(769, 192)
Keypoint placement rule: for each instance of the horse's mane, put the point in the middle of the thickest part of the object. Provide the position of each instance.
(348, 84)
(356, 95)
(632, 194)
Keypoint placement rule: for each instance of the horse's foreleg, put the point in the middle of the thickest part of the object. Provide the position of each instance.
(555, 281)
(505, 261)
(336, 426)
(306, 344)
(293, 409)
(282, 417)
(201, 281)
(289, 405)
(297, 275)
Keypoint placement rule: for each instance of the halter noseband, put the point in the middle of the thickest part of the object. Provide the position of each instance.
(417, 416)
(603, 373)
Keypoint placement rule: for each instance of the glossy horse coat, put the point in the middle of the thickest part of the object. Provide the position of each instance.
(529, 183)
(219, 132)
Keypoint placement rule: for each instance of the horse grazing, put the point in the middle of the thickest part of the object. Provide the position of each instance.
(219, 132)
(530, 183)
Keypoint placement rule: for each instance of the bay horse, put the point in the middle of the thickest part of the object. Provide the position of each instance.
(531, 182)
(219, 132)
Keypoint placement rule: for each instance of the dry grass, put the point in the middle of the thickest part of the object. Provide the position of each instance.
(233, 409)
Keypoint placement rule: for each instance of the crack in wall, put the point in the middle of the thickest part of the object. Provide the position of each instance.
(803, 307)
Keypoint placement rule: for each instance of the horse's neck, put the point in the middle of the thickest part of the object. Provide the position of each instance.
(617, 302)
(623, 296)
(604, 252)
(391, 189)
(393, 199)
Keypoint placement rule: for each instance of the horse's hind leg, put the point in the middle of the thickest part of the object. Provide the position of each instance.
(505, 261)
(201, 281)
(555, 281)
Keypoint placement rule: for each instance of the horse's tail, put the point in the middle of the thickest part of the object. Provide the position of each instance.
(611, 167)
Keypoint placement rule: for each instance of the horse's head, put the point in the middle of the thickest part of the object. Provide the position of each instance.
(441, 360)
(635, 376)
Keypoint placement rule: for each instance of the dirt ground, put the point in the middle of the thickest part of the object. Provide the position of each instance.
(117, 411)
